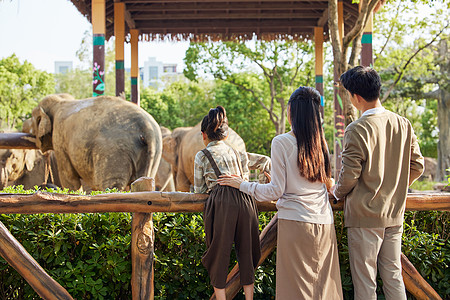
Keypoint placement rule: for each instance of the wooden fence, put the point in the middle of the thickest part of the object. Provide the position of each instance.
(142, 202)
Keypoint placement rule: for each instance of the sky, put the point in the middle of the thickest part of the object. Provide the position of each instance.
(45, 31)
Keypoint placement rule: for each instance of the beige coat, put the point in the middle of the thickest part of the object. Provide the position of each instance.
(381, 158)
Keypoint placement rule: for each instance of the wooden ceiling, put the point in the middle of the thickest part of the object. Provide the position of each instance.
(225, 20)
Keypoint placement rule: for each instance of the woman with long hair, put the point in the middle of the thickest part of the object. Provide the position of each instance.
(307, 253)
(230, 215)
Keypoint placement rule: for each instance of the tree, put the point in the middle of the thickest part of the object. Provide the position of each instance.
(21, 87)
(268, 71)
(418, 69)
(342, 45)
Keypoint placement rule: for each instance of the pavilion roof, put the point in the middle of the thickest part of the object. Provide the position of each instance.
(200, 20)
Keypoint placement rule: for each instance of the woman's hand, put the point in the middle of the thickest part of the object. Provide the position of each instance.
(230, 180)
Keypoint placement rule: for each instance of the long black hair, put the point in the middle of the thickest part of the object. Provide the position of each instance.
(215, 124)
(313, 157)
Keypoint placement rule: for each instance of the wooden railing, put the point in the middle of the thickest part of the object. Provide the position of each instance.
(142, 203)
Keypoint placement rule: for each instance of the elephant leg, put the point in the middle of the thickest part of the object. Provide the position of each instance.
(67, 174)
(182, 183)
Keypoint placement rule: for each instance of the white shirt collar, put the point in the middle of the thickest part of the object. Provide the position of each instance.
(373, 111)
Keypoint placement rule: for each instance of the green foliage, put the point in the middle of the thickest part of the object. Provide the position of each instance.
(273, 70)
(181, 103)
(21, 87)
(89, 254)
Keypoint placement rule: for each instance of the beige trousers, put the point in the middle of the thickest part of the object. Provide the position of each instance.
(370, 248)
(307, 262)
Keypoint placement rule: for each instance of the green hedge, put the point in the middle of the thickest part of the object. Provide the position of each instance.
(89, 254)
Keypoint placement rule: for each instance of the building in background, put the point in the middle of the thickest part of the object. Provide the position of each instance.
(62, 67)
(155, 73)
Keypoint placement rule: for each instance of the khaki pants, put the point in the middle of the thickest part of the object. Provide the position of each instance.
(370, 248)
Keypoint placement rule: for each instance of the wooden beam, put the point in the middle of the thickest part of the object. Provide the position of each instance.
(42, 202)
(237, 6)
(414, 282)
(227, 16)
(17, 140)
(16, 255)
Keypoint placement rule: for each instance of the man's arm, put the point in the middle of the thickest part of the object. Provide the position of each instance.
(416, 165)
(353, 156)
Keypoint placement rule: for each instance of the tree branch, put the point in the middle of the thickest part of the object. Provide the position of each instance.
(389, 34)
(403, 69)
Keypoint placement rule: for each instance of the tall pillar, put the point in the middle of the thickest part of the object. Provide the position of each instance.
(134, 66)
(318, 39)
(119, 33)
(366, 42)
(339, 119)
(98, 30)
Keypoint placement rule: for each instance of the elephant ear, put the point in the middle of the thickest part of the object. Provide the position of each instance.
(30, 158)
(44, 128)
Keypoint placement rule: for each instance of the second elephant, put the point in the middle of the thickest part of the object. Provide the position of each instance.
(183, 144)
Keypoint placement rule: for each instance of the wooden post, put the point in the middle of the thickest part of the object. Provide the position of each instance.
(16, 255)
(366, 43)
(98, 29)
(119, 33)
(339, 119)
(318, 39)
(142, 246)
(134, 66)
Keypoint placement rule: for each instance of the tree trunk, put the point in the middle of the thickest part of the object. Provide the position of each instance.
(444, 113)
(444, 136)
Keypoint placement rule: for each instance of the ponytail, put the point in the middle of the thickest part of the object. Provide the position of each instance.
(215, 124)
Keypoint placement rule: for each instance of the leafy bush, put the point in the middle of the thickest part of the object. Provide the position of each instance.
(89, 254)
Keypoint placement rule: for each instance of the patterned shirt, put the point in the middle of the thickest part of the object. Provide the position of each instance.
(204, 176)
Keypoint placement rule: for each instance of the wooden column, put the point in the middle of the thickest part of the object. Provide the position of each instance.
(318, 39)
(98, 29)
(366, 42)
(16, 255)
(339, 119)
(134, 66)
(142, 246)
(119, 33)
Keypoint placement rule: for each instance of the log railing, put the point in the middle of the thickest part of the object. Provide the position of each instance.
(142, 204)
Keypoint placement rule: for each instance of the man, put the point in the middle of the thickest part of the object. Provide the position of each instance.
(380, 160)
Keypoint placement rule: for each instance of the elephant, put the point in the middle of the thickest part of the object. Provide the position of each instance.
(183, 144)
(164, 178)
(27, 167)
(103, 142)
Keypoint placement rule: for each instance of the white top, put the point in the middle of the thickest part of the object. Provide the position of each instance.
(298, 198)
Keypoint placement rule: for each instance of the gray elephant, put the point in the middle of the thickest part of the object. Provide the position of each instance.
(164, 178)
(106, 142)
(27, 167)
(183, 144)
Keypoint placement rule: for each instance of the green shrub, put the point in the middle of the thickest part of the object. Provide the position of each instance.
(89, 254)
